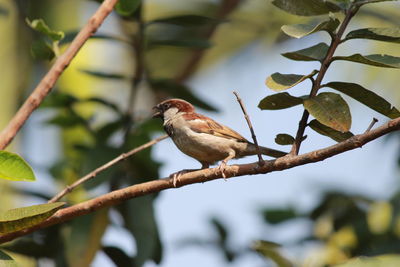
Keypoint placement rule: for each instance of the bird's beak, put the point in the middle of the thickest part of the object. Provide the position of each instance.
(157, 112)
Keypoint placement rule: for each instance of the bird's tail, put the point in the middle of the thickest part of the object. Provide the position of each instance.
(252, 150)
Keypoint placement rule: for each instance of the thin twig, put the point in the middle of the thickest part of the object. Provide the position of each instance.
(46, 84)
(321, 74)
(374, 120)
(201, 176)
(104, 167)
(253, 135)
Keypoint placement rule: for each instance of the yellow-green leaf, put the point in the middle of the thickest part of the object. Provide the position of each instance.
(331, 110)
(301, 30)
(376, 60)
(40, 26)
(22, 218)
(13, 167)
(279, 101)
(6, 260)
(328, 131)
(279, 82)
(314, 53)
(378, 261)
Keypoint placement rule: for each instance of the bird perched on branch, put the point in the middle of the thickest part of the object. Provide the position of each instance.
(203, 138)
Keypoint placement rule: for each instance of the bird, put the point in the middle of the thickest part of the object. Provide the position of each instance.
(202, 138)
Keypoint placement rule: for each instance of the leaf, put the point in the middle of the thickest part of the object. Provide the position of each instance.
(15, 168)
(279, 82)
(384, 61)
(84, 237)
(328, 131)
(139, 219)
(301, 30)
(40, 26)
(70, 36)
(187, 20)
(380, 34)
(279, 101)
(180, 91)
(41, 50)
(284, 139)
(377, 261)
(58, 99)
(306, 7)
(106, 75)
(366, 97)
(190, 43)
(66, 120)
(331, 110)
(22, 218)
(269, 250)
(6, 260)
(127, 7)
(118, 256)
(276, 216)
(313, 53)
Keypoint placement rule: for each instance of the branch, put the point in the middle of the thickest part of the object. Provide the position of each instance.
(201, 176)
(316, 85)
(46, 84)
(253, 135)
(104, 167)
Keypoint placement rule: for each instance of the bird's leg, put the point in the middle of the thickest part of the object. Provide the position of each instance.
(222, 166)
(176, 175)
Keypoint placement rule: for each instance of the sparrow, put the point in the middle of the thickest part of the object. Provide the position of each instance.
(202, 138)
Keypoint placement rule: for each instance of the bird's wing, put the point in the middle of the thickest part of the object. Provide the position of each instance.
(202, 124)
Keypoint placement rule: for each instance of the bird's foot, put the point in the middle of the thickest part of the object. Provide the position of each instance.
(176, 175)
(222, 168)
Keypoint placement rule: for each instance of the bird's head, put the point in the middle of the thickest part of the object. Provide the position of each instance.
(170, 107)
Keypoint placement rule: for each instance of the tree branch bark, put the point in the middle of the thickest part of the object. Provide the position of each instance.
(46, 84)
(201, 176)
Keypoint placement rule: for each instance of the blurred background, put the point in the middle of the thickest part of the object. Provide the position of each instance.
(314, 215)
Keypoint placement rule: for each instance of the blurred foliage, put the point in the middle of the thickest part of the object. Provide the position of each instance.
(160, 45)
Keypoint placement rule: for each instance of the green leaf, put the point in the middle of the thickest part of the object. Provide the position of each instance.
(384, 61)
(66, 120)
(41, 50)
(180, 91)
(139, 219)
(6, 260)
(190, 43)
(380, 34)
(127, 7)
(276, 216)
(15, 168)
(187, 20)
(22, 218)
(40, 26)
(58, 99)
(279, 101)
(284, 139)
(331, 110)
(105, 75)
(306, 7)
(328, 131)
(366, 97)
(84, 237)
(313, 53)
(118, 256)
(279, 82)
(301, 30)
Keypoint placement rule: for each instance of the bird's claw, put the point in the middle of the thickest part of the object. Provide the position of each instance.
(176, 176)
(222, 168)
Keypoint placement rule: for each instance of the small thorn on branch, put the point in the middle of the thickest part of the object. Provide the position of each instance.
(374, 120)
(253, 135)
